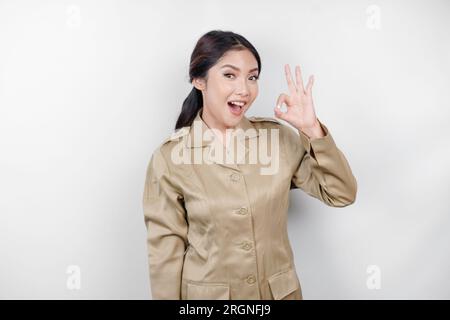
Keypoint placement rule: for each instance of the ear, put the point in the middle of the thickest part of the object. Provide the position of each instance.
(199, 83)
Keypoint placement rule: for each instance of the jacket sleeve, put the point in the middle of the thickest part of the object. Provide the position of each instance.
(165, 220)
(323, 171)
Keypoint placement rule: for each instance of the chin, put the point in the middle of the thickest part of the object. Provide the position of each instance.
(234, 121)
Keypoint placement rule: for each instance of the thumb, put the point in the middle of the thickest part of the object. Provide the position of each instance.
(282, 98)
(280, 114)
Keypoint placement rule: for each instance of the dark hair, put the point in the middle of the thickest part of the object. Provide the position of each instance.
(208, 50)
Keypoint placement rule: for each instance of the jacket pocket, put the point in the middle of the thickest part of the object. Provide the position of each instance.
(207, 291)
(283, 283)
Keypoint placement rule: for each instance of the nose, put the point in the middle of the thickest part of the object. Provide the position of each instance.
(242, 88)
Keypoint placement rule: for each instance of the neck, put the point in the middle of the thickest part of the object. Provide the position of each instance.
(213, 124)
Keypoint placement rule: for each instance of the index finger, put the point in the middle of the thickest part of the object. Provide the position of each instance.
(291, 84)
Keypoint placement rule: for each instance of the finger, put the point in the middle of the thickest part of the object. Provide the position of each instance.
(291, 85)
(310, 84)
(280, 114)
(283, 98)
(298, 78)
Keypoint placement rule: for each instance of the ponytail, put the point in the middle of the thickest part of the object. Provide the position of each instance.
(191, 105)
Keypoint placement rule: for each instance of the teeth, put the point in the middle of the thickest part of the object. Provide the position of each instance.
(238, 103)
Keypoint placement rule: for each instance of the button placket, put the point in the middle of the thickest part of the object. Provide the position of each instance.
(241, 211)
(235, 177)
(251, 279)
(249, 265)
(246, 245)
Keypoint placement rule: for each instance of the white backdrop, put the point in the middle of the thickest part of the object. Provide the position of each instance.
(88, 89)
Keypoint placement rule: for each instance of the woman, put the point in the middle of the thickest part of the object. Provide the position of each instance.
(217, 228)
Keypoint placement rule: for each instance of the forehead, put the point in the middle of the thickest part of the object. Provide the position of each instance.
(242, 59)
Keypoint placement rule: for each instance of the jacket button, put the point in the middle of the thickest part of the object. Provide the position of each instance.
(234, 177)
(246, 246)
(251, 279)
(242, 210)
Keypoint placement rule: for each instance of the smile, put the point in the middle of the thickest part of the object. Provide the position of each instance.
(236, 107)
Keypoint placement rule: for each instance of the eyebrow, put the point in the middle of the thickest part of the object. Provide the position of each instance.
(236, 68)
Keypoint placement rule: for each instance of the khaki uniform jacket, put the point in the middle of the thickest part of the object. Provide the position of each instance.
(218, 230)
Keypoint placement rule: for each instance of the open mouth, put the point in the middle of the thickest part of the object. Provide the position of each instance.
(236, 107)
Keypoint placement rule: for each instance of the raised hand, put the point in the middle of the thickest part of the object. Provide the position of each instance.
(300, 107)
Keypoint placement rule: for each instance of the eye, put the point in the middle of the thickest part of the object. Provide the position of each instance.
(255, 78)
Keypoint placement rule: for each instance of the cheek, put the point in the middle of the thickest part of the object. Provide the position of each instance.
(228, 89)
(222, 91)
(216, 94)
(255, 91)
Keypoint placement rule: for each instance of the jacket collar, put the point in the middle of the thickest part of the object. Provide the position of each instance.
(198, 139)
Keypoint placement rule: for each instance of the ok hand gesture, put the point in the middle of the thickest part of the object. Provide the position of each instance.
(300, 107)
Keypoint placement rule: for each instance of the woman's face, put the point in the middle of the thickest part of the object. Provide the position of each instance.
(234, 78)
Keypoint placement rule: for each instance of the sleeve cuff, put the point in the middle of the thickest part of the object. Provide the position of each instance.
(317, 144)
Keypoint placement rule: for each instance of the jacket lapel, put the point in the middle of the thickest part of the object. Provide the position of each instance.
(200, 136)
